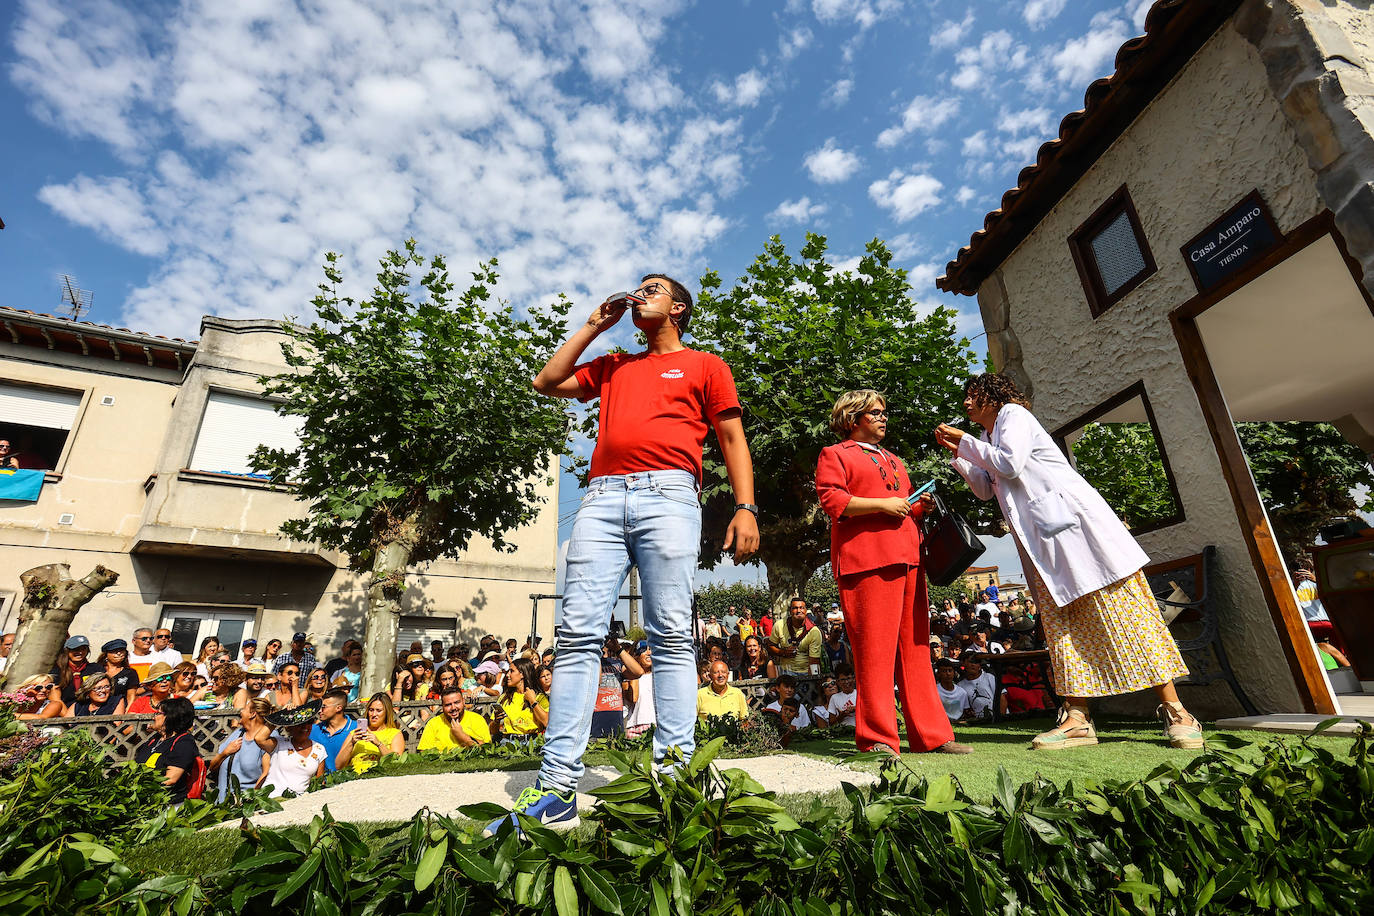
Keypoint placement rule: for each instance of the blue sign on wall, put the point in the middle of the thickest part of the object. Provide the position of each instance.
(1237, 237)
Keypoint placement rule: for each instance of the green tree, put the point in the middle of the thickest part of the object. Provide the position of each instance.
(1122, 461)
(420, 427)
(797, 333)
(1306, 474)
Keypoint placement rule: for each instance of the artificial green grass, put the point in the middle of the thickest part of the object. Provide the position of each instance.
(1126, 749)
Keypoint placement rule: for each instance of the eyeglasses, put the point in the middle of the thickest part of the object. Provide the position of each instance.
(876, 414)
(650, 289)
(143, 639)
(162, 636)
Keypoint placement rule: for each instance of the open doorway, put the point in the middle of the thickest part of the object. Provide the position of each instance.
(1282, 358)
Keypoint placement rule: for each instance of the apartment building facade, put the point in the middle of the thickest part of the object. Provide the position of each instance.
(145, 440)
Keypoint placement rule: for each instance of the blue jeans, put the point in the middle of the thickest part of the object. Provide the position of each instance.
(653, 520)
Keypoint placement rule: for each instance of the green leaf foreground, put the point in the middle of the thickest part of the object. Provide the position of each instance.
(1288, 826)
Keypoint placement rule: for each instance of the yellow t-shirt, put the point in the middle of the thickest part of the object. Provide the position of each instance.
(437, 735)
(746, 630)
(519, 718)
(732, 703)
(367, 753)
(808, 648)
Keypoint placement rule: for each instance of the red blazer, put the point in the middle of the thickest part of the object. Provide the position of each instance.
(875, 540)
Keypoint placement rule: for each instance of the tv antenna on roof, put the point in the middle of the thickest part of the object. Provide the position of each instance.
(78, 300)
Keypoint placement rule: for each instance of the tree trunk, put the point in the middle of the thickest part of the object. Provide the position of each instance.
(384, 592)
(787, 580)
(51, 600)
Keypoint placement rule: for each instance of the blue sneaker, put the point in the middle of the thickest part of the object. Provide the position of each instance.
(555, 810)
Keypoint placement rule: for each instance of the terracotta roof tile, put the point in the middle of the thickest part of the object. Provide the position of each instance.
(1174, 30)
(91, 324)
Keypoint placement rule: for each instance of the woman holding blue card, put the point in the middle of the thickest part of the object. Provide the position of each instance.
(875, 554)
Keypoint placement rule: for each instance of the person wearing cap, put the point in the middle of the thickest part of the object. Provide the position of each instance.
(297, 759)
(247, 650)
(114, 662)
(300, 653)
(875, 555)
(157, 686)
(73, 666)
(413, 681)
(254, 685)
(488, 675)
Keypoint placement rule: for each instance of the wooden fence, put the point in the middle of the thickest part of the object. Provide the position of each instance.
(127, 733)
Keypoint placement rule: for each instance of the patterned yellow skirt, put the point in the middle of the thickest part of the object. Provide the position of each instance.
(1107, 642)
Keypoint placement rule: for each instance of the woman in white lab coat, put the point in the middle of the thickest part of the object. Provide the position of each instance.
(1102, 626)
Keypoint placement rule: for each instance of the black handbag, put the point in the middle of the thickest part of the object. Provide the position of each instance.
(948, 545)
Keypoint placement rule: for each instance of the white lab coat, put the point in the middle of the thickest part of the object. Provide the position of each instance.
(1062, 525)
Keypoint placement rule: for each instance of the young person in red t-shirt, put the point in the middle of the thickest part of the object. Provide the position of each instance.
(642, 507)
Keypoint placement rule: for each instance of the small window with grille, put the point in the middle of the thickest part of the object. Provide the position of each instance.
(1111, 253)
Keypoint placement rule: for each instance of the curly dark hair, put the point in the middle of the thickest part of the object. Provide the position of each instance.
(992, 389)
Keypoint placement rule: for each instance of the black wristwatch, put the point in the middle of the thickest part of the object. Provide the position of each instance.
(750, 506)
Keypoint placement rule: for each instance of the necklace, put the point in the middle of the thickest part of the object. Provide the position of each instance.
(869, 450)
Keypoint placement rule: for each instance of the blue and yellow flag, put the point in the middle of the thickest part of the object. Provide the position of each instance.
(17, 484)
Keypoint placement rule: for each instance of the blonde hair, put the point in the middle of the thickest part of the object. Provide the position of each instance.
(261, 706)
(33, 680)
(844, 416)
(389, 709)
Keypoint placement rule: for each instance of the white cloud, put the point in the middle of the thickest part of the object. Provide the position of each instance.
(839, 91)
(922, 276)
(1035, 120)
(922, 113)
(745, 92)
(112, 207)
(996, 51)
(1082, 60)
(1038, 13)
(830, 164)
(965, 195)
(1138, 13)
(515, 131)
(863, 13)
(798, 211)
(906, 196)
(977, 145)
(794, 42)
(950, 33)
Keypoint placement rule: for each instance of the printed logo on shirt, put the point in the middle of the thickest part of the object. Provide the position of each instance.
(673, 373)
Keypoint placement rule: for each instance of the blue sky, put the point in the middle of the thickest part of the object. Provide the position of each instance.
(189, 158)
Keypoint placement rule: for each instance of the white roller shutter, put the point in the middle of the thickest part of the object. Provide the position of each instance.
(426, 629)
(233, 426)
(44, 407)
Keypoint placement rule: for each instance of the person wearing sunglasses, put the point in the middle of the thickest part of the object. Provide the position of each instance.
(656, 408)
(875, 554)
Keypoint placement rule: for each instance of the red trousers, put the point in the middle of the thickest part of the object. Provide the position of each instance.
(886, 613)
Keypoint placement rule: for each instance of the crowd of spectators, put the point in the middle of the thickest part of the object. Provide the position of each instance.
(795, 665)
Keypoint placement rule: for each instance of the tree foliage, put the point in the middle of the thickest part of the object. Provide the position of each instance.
(1306, 474)
(1122, 461)
(797, 332)
(420, 429)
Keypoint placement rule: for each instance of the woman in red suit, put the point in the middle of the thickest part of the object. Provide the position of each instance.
(875, 553)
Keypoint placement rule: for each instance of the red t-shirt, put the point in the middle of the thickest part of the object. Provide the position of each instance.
(655, 408)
